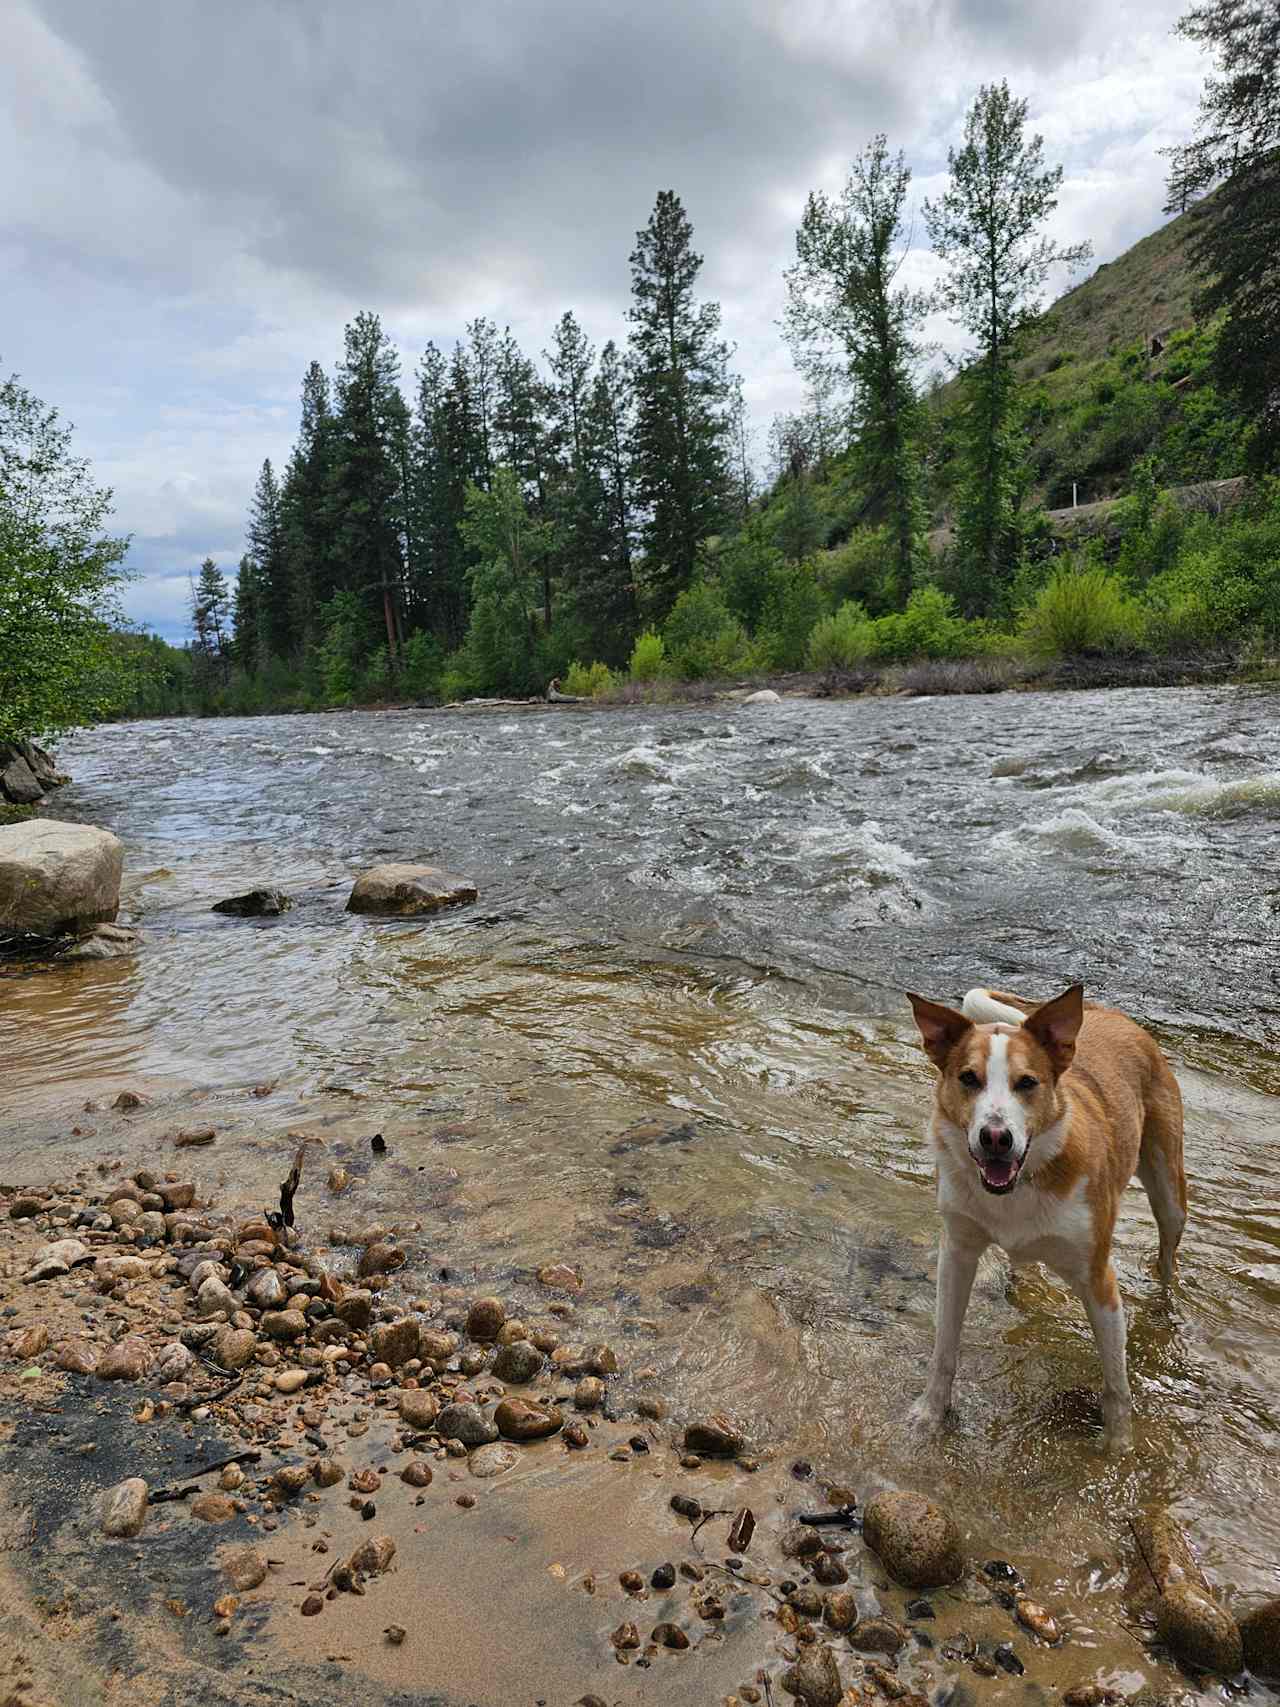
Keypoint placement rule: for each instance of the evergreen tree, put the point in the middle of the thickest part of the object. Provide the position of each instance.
(1238, 241)
(607, 593)
(988, 228)
(364, 484)
(740, 450)
(842, 290)
(210, 614)
(246, 616)
(519, 431)
(274, 590)
(482, 370)
(677, 363)
(305, 512)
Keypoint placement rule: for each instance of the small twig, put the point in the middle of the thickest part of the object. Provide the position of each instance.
(250, 1455)
(210, 1398)
(706, 1518)
(289, 1185)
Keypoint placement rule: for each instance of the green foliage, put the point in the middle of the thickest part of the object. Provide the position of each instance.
(422, 664)
(865, 569)
(799, 528)
(648, 659)
(794, 604)
(59, 579)
(1081, 609)
(703, 637)
(842, 641)
(342, 647)
(928, 628)
(591, 681)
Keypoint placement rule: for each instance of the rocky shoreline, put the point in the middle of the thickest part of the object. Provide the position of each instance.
(289, 1416)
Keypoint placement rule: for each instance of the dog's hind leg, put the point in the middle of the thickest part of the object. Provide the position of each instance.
(1161, 1171)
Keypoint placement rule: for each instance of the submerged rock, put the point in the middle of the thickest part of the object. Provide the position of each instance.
(715, 1437)
(402, 891)
(1260, 1634)
(493, 1460)
(104, 942)
(1201, 1633)
(524, 1419)
(485, 1319)
(464, 1422)
(918, 1543)
(419, 1408)
(517, 1363)
(254, 904)
(395, 1342)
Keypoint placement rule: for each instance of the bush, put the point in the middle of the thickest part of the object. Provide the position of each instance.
(592, 681)
(862, 570)
(1081, 609)
(842, 641)
(928, 628)
(422, 664)
(703, 638)
(648, 657)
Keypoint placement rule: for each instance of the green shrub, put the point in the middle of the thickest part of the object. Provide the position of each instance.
(703, 638)
(928, 628)
(841, 641)
(862, 570)
(1081, 608)
(648, 657)
(590, 681)
(792, 608)
(422, 664)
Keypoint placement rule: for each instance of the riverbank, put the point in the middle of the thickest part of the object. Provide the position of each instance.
(297, 1458)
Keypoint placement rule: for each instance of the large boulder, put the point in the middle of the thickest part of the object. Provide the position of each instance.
(57, 877)
(400, 891)
(18, 782)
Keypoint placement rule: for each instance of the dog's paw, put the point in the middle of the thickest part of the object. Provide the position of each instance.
(926, 1417)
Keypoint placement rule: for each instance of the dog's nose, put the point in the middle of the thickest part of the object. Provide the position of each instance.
(995, 1140)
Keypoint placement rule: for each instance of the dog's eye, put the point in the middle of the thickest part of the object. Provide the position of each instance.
(969, 1079)
(1026, 1083)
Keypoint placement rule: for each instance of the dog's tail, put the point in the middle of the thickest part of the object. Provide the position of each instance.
(995, 1007)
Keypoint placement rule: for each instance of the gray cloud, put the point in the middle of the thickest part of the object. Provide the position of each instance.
(198, 196)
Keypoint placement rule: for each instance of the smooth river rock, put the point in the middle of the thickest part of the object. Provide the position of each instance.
(255, 904)
(1201, 1633)
(419, 1408)
(916, 1540)
(127, 1360)
(401, 891)
(493, 1459)
(464, 1422)
(716, 1436)
(1260, 1633)
(104, 942)
(815, 1677)
(763, 696)
(395, 1342)
(57, 878)
(517, 1363)
(522, 1419)
(124, 1508)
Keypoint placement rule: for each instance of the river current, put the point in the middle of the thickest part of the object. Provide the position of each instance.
(671, 1037)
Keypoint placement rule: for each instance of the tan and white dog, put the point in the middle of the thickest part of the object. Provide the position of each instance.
(1043, 1115)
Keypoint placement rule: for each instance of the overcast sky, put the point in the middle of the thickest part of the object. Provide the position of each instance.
(195, 198)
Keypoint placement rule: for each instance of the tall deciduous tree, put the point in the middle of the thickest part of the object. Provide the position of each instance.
(1237, 149)
(60, 574)
(844, 292)
(678, 373)
(988, 227)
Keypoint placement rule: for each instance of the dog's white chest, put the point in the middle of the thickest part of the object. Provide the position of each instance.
(1029, 1225)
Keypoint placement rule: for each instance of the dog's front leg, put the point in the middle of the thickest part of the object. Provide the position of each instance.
(957, 1264)
(1106, 1318)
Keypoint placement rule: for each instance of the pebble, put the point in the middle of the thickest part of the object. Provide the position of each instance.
(1036, 1618)
(31, 1342)
(395, 1342)
(327, 1472)
(716, 1436)
(380, 1259)
(654, 1409)
(485, 1319)
(418, 1474)
(355, 1309)
(632, 1582)
(313, 1604)
(686, 1506)
(371, 1558)
(231, 1478)
(124, 1508)
(829, 1570)
(625, 1638)
(917, 1542)
(589, 1394)
(174, 1362)
(465, 1422)
(877, 1636)
(664, 1577)
(291, 1381)
(214, 1297)
(395, 1634)
(266, 1290)
(523, 1419)
(512, 1331)
(576, 1434)
(671, 1636)
(815, 1677)
(234, 1348)
(493, 1459)
(1201, 1633)
(435, 1346)
(801, 1542)
(284, 1324)
(840, 1611)
(559, 1277)
(518, 1363)
(25, 1206)
(601, 1360)
(127, 1360)
(212, 1508)
(244, 1569)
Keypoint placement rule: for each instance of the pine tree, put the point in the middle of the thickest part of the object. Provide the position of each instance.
(274, 587)
(305, 512)
(1237, 245)
(988, 228)
(482, 370)
(210, 612)
(519, 430)
(607, 593)
(677, 364)
(364, 481)
(246, 617)
(740, 450)
(843, 291)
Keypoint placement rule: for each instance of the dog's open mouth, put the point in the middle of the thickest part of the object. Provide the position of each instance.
(999, 1173)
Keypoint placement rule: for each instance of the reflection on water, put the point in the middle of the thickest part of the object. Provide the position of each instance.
(670, 1040)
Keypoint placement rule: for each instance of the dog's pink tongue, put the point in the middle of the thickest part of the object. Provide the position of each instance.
(997, 1172)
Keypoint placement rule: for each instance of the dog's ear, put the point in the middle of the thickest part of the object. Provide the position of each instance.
(1054, 1026)
(940, 1028)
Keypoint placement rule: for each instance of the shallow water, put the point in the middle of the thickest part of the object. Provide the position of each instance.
(670, 1042)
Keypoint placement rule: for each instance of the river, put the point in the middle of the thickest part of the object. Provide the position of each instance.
(671, 1040)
